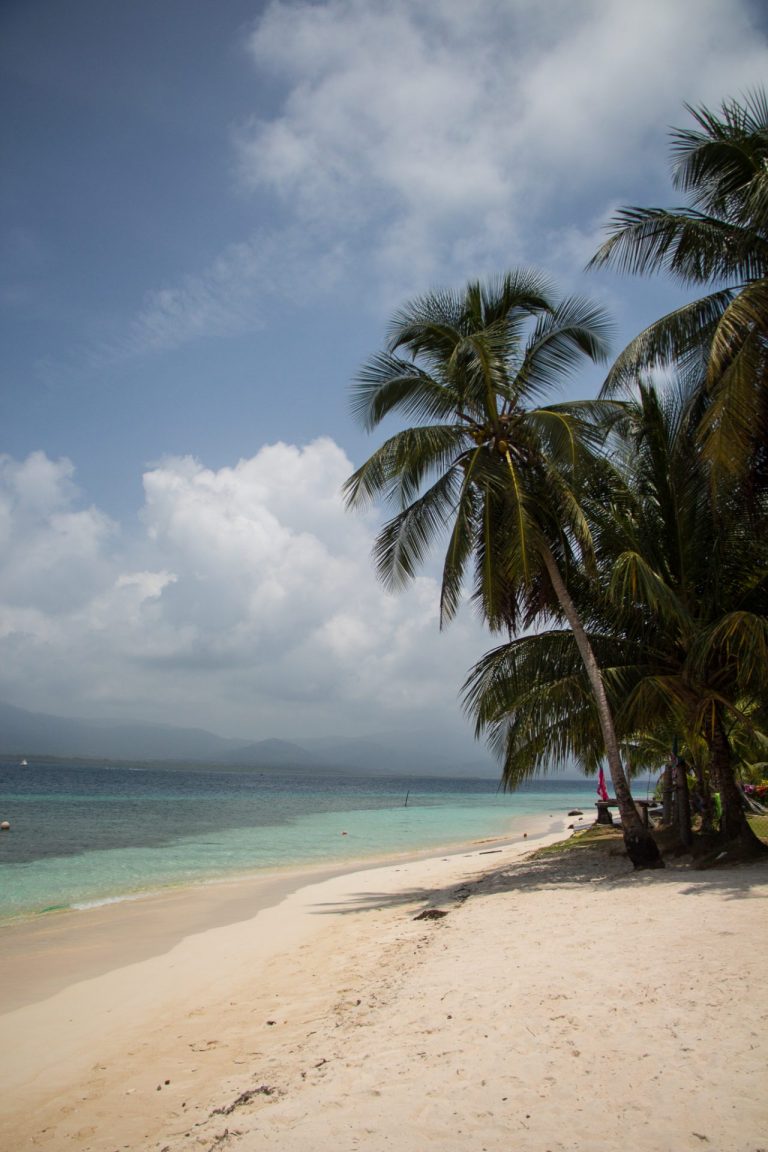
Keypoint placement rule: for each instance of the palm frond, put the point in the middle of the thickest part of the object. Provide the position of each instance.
(387, 384)
(461, 545)
(659, 698)
(531, 701)
(736, 423)
(396, 472)
(406, 540)
(736, 644)
(634, 582)
(562, 339)
(681, 338)
(691, 247)
(719, 163)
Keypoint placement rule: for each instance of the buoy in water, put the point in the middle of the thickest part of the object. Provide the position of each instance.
(5, 826)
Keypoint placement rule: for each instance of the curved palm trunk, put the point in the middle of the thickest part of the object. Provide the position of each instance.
(640, 844)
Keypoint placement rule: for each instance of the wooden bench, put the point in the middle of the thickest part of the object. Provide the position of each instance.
(604, 807)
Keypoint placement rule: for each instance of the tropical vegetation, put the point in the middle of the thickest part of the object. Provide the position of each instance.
(719, 239)
(719, 342)
(621, 543)
(678, 618)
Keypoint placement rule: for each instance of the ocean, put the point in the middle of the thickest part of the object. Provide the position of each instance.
(82, 836)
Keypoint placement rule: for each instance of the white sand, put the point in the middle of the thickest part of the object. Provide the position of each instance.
(559, 1005)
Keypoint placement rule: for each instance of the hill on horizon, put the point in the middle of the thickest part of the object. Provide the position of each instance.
(28, 734)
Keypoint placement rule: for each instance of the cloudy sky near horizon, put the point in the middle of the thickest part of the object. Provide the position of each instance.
(209, 211)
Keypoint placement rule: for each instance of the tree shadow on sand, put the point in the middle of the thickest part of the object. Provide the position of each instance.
(567, 868)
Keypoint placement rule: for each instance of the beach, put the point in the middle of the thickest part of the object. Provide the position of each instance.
(559, 1003)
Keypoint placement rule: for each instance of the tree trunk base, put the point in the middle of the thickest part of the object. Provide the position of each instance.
(742, 849)
(643, 851)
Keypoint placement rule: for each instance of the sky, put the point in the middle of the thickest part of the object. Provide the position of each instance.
(208, 213)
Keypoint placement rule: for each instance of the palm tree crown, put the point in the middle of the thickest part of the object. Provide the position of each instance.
(486, 464)
(720, 239)
(722, 235)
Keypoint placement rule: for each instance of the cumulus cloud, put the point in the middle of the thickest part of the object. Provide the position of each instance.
(419, 143)
(52, 551)
(455, 121)
(246, 604)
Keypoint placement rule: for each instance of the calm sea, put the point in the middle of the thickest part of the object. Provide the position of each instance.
(82, 836)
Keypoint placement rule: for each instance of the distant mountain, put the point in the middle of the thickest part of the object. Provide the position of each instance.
(353, 753)
(413, 752)
(35, 734)
(271, 754)
(39, 734)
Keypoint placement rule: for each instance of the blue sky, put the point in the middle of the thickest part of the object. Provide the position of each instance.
(208, 213)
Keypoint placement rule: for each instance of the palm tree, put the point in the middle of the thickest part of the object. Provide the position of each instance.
(699, 567)
(677, 620)
(488, 467)
(692, 570)
(719, 239)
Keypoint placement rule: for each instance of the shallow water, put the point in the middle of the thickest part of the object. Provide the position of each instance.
(81, 836)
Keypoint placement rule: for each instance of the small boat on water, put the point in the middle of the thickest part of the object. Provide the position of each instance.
(24, 764)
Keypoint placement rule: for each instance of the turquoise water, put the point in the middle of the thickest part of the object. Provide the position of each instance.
(82, 836)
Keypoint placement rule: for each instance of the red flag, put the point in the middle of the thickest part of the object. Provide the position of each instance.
(602, 791)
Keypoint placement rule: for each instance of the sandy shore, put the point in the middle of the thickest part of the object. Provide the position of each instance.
(560, 1004)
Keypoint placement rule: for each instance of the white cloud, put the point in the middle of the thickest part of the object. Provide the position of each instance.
(229, 296)
(37, 484)
(247, 604)
(52, 552)
(455, 120)
(416, 143)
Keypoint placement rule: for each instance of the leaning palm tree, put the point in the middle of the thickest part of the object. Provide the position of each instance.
(489, 468)
(719, 239)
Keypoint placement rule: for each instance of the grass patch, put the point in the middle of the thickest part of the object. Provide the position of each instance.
(600, 839)
(596, 838)
(759, 825)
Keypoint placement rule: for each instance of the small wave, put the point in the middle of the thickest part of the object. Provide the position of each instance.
(84, 905)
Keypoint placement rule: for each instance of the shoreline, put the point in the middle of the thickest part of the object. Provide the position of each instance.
(341, 1018)
(81, 879)
(93, 940)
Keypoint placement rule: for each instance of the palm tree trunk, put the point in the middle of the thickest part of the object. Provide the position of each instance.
(707, 804)
(683, 804)
(734, 827)
(640, 844)
(667, 797)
